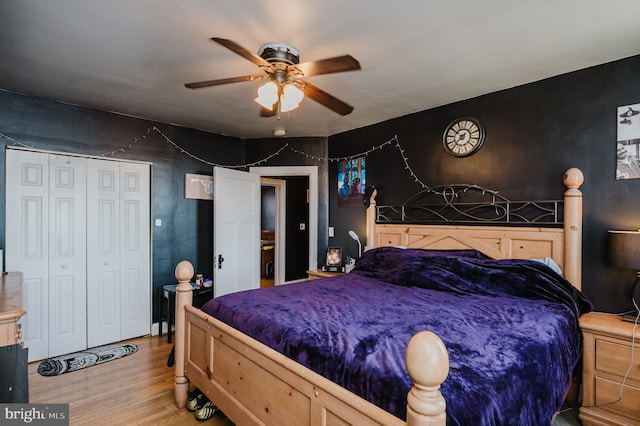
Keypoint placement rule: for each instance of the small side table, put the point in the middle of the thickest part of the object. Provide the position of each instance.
(200, 294)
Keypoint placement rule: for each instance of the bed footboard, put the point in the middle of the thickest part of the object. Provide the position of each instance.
(253, 384)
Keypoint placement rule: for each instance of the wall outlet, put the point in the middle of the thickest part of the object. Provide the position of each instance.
(158, 222)
(303, 226)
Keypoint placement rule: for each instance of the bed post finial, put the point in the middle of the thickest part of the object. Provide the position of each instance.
(371, 220)
(427, 363)
(573, 179)
(184, 296)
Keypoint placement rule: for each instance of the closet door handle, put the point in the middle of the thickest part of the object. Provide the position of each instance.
(220, 260)
(65, 266)
(106, 263)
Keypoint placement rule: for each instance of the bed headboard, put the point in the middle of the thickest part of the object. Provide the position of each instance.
(563, 244)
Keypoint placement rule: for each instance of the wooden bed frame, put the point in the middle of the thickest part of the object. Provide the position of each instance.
(253, 384)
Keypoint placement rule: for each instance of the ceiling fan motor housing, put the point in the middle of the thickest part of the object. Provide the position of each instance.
(279, 53)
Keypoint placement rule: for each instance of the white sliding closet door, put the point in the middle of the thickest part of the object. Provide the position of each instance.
(135, 253)
(79, 231)
(118, 223)
(103, 252)
(67, 254)
(46, 241)
(27, 240)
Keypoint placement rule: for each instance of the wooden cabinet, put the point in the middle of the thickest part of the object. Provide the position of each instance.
(11, 309)
(607, 359)
(316, 274)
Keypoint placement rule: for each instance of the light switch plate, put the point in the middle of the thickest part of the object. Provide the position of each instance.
(331, 231)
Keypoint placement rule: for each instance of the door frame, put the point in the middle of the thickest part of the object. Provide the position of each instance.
(280, 258)
(312, 173)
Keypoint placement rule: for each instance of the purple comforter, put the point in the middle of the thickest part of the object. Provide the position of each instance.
(510, 328)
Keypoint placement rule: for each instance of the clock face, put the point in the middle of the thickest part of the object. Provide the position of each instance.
(463, 137)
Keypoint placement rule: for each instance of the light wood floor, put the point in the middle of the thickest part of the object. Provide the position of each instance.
(134, 390)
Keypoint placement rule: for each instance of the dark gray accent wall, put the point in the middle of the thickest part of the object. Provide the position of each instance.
(186, 224)
(534, 133)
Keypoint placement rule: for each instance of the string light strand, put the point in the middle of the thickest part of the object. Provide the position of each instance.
(15, 142)
(210, 163)
(266, 159)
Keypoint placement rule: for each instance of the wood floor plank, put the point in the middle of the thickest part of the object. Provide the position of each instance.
(134, 390)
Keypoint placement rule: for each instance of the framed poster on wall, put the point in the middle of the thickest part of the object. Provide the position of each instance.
(628, 142)
(351, 182)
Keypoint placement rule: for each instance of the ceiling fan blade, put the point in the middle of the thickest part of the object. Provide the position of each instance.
(247, 54)
(329, 65)
(327, 100)
(207, 83)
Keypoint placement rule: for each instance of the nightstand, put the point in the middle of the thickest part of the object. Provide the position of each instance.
(606, 359)
(316, 274)
(200, 296)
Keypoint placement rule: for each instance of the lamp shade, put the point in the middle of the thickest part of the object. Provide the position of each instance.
(624, 249)
(267, 95)
(291, 97)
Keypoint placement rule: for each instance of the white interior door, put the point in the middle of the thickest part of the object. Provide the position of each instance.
(67, 254)
(236, 230)
(103, 252)
(27, 242)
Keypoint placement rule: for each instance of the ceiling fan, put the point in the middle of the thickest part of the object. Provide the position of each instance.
(285, 87)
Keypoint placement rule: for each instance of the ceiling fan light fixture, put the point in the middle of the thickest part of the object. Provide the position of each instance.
(291, 97)
(267, 95)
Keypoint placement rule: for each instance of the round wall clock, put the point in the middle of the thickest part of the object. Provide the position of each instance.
(463, 137)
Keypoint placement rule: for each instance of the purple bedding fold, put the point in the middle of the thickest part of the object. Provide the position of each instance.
(510, 328)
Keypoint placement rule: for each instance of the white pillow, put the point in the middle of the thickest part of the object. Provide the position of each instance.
(550, 263)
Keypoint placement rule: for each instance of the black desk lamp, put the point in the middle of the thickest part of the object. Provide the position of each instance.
(624, 252)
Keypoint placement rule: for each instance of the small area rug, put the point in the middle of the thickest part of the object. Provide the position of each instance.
(78, 360)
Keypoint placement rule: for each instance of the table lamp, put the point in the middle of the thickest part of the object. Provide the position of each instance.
(355, 237)
(624, 252)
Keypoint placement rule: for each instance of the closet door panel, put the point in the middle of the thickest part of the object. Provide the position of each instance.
(135, 183)
(27, 241)
(67, 254)
(103, 252)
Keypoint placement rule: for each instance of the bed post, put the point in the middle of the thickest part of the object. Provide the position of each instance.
(427, 363)
(573, 179)
(371, 220)
(184, 296)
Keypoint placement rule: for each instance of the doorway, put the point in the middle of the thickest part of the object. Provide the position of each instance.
(272, 236)
(311, 173)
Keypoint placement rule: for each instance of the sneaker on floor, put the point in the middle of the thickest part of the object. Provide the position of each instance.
(207, 411)
(195, 400)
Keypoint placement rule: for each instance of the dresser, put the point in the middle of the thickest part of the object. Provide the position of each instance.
(11, 308)
(606, 360)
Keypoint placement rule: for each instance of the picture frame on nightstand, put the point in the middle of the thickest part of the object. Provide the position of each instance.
(334, 260)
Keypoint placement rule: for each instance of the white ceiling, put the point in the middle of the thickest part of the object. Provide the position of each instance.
(134, 56)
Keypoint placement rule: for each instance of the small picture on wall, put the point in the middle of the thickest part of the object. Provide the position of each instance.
(351, 182)
(198, 187)
(628, 142)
